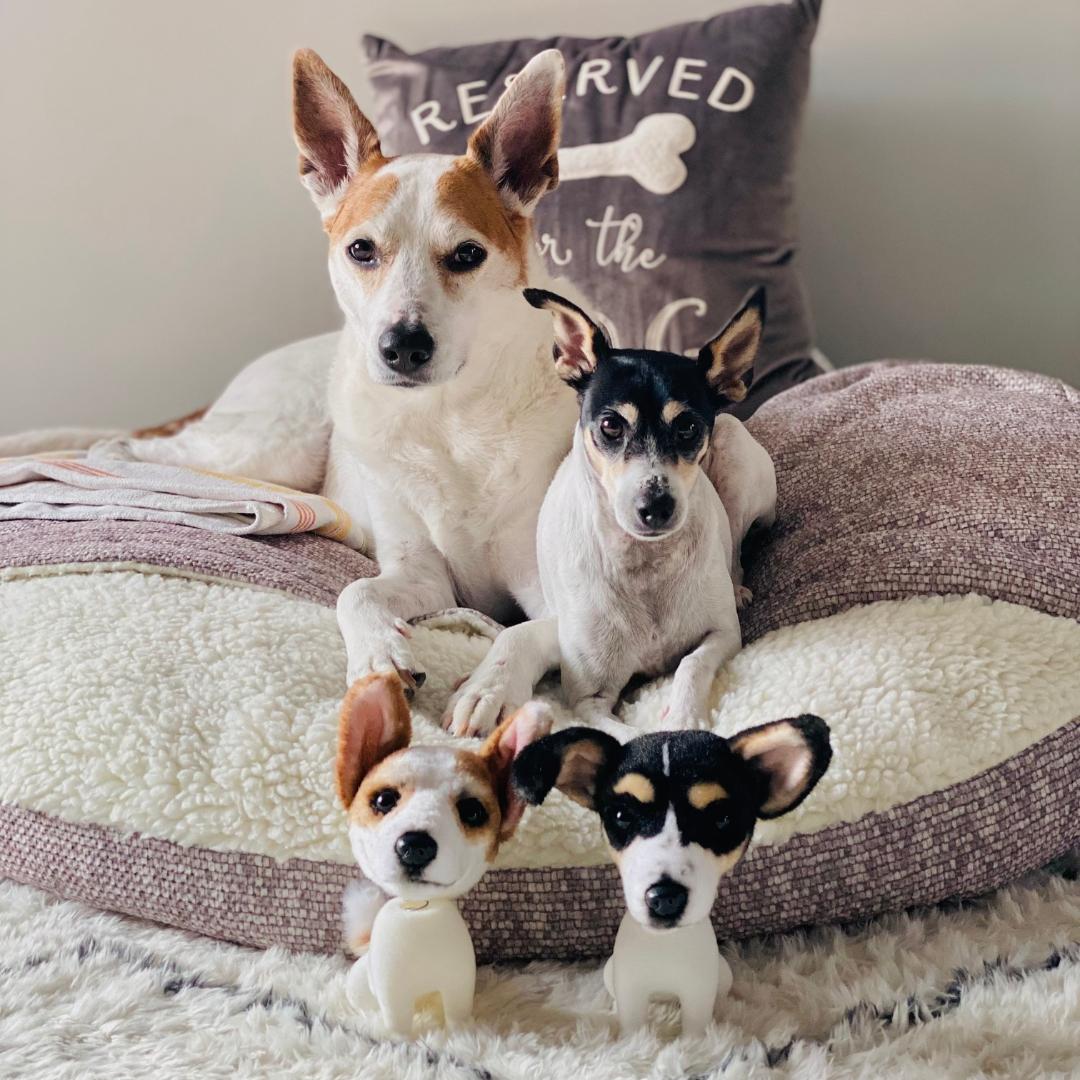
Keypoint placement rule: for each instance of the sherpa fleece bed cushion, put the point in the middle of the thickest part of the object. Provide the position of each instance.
(169, 699)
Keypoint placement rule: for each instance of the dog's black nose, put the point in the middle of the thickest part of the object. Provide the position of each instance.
(666, 899)
(406, 347)
(415, 850)
(655, 510)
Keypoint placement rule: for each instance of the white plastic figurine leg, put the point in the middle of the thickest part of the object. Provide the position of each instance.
(457, 998)
(357, 987)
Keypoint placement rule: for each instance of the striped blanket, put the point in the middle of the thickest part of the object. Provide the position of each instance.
(106, 482)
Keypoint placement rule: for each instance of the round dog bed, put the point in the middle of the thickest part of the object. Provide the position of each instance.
(169, 702)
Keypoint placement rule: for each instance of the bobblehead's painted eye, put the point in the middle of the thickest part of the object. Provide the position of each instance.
(363, 252)
(688, 431)
(611, 427)
(464, 257)
(473, 812)
(382, 802)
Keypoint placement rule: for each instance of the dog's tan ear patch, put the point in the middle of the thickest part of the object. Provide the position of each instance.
(503, 745)
(334, 137)
(579, 342)
(374, 722)
(730, 356)
(518, 144)
(791, 755)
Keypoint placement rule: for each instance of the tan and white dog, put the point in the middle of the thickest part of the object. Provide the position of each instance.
(425, 823)
(436, 417)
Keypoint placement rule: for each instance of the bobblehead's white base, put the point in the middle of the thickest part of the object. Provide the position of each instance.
(684, 963)
(417, 948)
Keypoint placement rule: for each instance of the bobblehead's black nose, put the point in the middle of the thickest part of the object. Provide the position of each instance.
(666, 900)
(655, 510)
(406, 347)
(415, 850)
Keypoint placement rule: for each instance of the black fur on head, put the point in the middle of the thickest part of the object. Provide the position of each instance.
(633, 399)
(672, 791)
(767, 769)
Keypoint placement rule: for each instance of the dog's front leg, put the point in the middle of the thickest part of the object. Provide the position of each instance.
(517, 660)
(689, 703)
(373, 613)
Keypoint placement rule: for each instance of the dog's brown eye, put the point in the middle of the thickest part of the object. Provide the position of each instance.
(473, 812)
(362, 252)
(467, 256)
(382, 802)
(611, 427)
(687, 431)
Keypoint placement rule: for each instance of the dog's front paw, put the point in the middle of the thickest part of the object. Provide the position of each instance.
(476, 708)
(743, 597)
(381, 646)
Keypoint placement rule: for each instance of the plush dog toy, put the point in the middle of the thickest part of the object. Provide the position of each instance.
(425, 823)
(678, 809)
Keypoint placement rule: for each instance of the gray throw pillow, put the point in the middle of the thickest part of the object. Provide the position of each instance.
(677, 169)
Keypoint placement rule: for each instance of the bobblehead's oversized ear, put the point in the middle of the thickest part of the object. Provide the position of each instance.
(579, 342)
(731, 354)
(570, 760)
(334, 137)
(518, 144)
(502, 748)
(790, 755)
(374, 722)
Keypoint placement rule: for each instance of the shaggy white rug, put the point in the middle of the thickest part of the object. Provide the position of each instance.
(989, 989)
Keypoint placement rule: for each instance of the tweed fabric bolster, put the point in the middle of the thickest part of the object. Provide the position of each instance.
(960, 841)
(908, 479)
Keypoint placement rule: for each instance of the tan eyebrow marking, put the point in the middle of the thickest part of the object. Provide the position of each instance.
(368, 194)
(466, 192)
(671, 410)
(636, 786)
(701, 795)
(627, 411)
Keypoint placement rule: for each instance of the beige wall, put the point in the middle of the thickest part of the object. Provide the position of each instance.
(153, 235)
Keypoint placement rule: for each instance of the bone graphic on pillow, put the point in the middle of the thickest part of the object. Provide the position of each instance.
(649, 154)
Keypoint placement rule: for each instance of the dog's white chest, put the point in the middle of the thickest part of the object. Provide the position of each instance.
(416, 950)
(684, 963)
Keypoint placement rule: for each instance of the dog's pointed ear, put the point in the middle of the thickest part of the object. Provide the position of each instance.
(518, 144)
(374, 722)
(579, 342)
(729, 358)
(502, 748)
(790, 756)
(571, 760)
(334, 137)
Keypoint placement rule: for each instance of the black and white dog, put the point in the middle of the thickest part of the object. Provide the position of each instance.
(678, 810)
(638, 553)
(678, 807)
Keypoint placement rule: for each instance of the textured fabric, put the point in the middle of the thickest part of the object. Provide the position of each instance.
(676, 192)
(897, 480)
(107, 483)
(206, 713)
(959, 841)
(304, 565)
